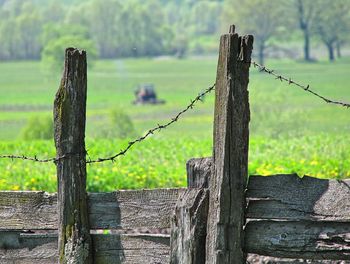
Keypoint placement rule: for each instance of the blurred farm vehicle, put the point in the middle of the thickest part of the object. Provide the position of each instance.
(145, 94)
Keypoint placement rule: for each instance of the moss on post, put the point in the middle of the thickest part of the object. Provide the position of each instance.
(69, 115)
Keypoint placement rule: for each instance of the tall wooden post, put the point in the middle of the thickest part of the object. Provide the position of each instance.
(69, 115)
(231, 136)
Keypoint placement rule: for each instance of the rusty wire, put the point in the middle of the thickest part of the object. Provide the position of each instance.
(306, 88)
(157, 128)
(35, 158)
(175, 119)
(27, 158)
(122, 152)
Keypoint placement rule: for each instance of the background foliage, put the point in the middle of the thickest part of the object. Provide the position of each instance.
(174, 46)
(136, 28)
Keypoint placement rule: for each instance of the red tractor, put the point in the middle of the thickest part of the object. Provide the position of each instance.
(145, 94)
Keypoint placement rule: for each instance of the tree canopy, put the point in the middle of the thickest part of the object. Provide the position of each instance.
(117, 28)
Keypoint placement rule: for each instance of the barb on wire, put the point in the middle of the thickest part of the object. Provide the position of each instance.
(35, 158)
(27, 158)
(130, 144)
(157, 128)
(306, 88)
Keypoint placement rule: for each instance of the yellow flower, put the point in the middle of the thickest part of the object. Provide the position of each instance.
(15, 188)
(314, 162)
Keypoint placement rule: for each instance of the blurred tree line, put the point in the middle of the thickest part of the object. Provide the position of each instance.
(118, 28)
(270, 21)
(111, 28)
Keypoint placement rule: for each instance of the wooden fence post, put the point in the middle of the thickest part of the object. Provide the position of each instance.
(74, 240)
(231, 136)
(189, 223)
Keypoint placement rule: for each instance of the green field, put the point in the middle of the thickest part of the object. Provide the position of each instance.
(291, 131)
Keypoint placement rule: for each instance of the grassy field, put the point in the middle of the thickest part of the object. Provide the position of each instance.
(291, 131)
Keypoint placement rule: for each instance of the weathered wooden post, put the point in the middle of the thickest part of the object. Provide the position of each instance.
(69, 116)
(227, 185)
(189, 223)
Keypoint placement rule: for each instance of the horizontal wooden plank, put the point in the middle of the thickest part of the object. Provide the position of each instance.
(130, 249)
(259, 259)
(113, 210)
(292, 198)
(292, 239)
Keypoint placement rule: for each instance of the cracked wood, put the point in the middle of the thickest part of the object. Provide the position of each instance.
(224, 242)
(127, 249)
(292, 239)
(74, 241)
(114, 210)
(290, 197)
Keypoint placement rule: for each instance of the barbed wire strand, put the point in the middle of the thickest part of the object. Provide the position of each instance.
(35, 158)
(175, 119)
(27, 158)
(306, 88)
(159, 127)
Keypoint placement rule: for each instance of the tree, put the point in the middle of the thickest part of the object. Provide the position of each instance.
(205, 16)
(29, 26)
(103, 17)
(181, 25)
(333, 25)
(52, 31)
(38, 128)
(54, 12)
(52, 56)
(307, 12)
(9, 39)
(261, 18)
(20, 28)
(141, 30)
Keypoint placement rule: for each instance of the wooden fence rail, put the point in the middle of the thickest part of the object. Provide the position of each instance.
(286, 217)
(221, 217)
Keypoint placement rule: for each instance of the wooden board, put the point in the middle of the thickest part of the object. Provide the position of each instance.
(292, 239)
(199, 171)
(188, 229)
(121, 209)
(42, 249)
(289, 197)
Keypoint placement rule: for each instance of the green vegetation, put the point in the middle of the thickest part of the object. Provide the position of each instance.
(136, 28)
(38, 128)
(291, 131)
(57, 39)
(119, 125)
(134, 42)
(161, 162)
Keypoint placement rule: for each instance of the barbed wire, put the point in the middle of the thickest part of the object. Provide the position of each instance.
(306, 88)
(35, 158)
(122, 152)
(159, 127)
(27, 158)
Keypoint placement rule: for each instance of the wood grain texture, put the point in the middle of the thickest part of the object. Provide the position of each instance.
(113, 210)
(69, 126)
(28, 210)
(108, 249)
(289, 197)
(199, 171)
(292, 239)
(231, 136)
(188, 229)
(133, 209)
